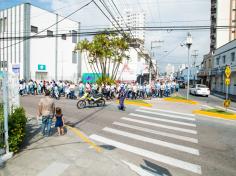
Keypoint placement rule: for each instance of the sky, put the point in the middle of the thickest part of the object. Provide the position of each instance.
(158, 13)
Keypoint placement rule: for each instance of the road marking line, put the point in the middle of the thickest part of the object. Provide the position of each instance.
(224, 109)
(153, 141)
(85, 139)
(167, 115)
(149, 154)
(54, 169)
(188, 139)
(159, 125)
(207, 106)
(173, 112)
(162, 120)
(139, 170)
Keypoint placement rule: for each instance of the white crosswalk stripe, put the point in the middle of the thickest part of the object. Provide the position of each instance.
(142, 130)
(167, 111)
(160, 125)
(170, 135)
(162, 120)
(153, 141)
(139, 170)
(155, 156)
(167, 115)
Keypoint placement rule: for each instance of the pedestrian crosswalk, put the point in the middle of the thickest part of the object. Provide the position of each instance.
(165, 137)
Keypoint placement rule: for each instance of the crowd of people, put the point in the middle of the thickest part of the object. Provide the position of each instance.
(47, 110)
(110, 91)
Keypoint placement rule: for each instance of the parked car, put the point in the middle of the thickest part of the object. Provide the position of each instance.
(181, 84)
(200, 89)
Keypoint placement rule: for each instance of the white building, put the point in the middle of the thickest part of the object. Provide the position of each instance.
(223, 13)
(128, 70)
(223, 56)
(193, 71)
(132, 19)
(49, 55)
(169, 69)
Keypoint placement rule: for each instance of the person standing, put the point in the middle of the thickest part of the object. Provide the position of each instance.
(162, 89)
(46, 109)
(122, 96)
(60, 122)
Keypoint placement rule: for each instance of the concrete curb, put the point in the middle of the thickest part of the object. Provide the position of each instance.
(215, 115)
(181, 101)
(84, 138)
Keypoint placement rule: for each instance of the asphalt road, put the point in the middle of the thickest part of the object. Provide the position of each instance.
(166, 140)
(211, 101)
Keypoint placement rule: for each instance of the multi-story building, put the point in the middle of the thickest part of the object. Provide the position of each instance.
(38, 44)
(223, 56)
(213, 26)
(193, 75)
(223, 22)
(169, 69)
(223, 32)
(204, 73)
(134, 20)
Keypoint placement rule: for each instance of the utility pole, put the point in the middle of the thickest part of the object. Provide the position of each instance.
(79, 57)
(158, 46)
(194, 55)
(150, 70)
(188, 44)
(56, 50)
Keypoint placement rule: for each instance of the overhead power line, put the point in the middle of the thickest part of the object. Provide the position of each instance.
(26, 38)
(118, 31)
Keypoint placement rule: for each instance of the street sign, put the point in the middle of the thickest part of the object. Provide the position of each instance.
(227, 71)
(226, 103)
(227, 81)
(16, 69)
(41, 67)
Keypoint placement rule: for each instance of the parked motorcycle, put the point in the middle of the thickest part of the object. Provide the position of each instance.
(91, 100)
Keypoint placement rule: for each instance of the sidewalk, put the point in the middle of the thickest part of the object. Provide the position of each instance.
(64, 155)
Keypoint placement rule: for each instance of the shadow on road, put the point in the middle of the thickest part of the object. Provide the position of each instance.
(107, 147)
(73, 124)
(50, 146)
(155, 169)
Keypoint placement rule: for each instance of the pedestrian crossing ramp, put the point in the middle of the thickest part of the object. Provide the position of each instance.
(165, 137)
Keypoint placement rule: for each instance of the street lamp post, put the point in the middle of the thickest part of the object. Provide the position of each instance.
(188, 44)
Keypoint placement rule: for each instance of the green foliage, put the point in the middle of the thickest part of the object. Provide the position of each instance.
(107, 80)
(17, 128)
(220, 111)
(105, 53)
(1, 130)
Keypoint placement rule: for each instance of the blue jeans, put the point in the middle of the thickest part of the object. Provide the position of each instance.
(121, 102)
(46, 125)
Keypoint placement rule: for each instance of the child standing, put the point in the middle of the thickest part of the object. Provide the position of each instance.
(59, 121)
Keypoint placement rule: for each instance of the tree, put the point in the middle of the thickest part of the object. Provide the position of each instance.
(104, 54)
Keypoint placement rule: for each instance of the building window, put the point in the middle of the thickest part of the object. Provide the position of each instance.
(217, 61)
(49, 33)
(74, 36)
(4, 24)
(1, 24)
(74, 57)
(224, 59)
(233, 56)
(63, 36)
(34, 29)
